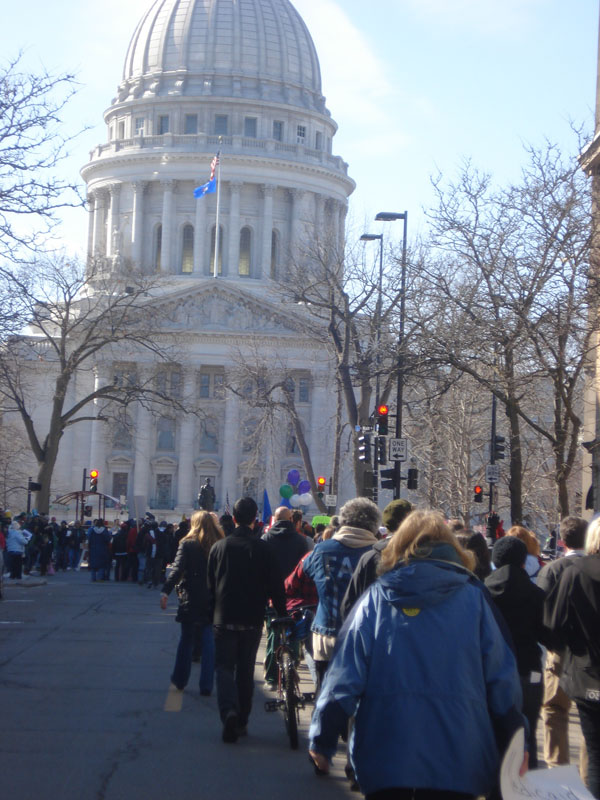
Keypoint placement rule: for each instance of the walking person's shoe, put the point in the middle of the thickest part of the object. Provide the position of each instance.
(230, 727)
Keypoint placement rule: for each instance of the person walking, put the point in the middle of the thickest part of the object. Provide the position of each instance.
(99, 555)
(16, 542)
(243, 575)
(424, 667)
(556, 705)
(572, 614)
(188, 575)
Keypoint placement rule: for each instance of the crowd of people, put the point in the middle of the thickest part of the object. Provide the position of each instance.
(422, 629)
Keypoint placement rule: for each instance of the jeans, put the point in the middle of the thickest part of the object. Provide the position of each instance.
(533, 694)
(235, 657)
(183, 659)
(98, 574)
(74, 557)
(589, 716)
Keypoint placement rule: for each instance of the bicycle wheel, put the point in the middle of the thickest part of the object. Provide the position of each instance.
(290, 710)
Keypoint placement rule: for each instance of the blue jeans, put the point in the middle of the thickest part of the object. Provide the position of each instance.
(183, 659)
(99, 573)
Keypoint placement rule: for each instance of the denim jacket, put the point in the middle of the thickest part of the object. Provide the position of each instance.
(331, 565)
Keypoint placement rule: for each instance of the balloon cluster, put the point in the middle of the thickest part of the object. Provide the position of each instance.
(297, 492)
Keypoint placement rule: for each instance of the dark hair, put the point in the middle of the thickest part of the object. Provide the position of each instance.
(296, 516)
(483, 560)
(572, 532)
(227, 523)
(244, 511)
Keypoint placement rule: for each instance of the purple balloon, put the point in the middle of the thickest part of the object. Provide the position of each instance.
(304, 487)
(293, 476)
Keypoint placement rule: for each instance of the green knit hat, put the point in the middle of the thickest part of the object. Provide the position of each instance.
(395, 513)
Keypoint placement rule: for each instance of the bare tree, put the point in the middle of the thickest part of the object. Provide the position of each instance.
(508, 291)
(31, 146)
(77, 317)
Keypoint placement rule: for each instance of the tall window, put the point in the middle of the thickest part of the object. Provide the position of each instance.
(291, 444)
(164, 491)
(190, 124)
(139, 126)
(187, 249)
(303, 390)
(211, 384)
(209, 436)
(212, 249)
(245, 247)
(168, 382)
(121, 130)
(165, 429)
(157, 247)
(221, 124)
(120, 484)
(301, 134)
(122, 438)
(163, 124)
(250, 127)
(274, 253)
(318, 140)
(278, 131)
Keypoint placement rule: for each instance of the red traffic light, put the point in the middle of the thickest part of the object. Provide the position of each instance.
(321, 481)
(478, 494)
(382, 410)
(93, 473)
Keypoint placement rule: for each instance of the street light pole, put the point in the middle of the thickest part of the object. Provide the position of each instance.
(390, 216)
(371, 237)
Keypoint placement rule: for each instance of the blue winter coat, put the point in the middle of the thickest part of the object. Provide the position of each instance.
(424, 667)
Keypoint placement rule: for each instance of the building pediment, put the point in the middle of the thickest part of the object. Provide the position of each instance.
(221, 308)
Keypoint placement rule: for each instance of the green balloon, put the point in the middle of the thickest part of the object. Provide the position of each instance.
(285, 490)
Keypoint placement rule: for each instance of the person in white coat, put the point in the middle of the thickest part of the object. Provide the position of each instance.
(15, 549)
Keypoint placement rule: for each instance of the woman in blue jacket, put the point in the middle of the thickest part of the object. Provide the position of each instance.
(423, 666)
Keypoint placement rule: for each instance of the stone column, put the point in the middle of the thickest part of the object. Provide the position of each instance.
(99, 430)
(233, 252)
(99, 248)
(322, 233)
(199, 231)
(322, 412)
(297, 196)
(144, 447)
(185, 474)
(112, 228)
(166, 260)
(231, 449)
(91, 211)
(267, 192)
(137, 223)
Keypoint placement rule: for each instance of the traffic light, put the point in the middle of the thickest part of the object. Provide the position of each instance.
(364, 448)
(478, 494)
(94, 480)
(412, 481)
(368, 485)
(491, 526)
(382, 450)
(499, 447)
(388, 480)
(382, 420)
(321, 486)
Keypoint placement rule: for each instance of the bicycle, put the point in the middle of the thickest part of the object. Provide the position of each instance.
(290, 699)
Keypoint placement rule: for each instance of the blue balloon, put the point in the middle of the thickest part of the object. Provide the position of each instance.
(293, 476)
(304, 487)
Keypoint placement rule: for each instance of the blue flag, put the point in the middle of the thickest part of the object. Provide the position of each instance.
(267, 513)
(207, 188)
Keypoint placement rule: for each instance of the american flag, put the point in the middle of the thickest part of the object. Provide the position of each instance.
(213, 165)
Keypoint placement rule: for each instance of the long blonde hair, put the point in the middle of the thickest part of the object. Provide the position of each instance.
(528, 538)
(205, 529)
(415, 537)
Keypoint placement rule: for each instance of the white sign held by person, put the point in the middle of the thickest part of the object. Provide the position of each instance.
(559, 783)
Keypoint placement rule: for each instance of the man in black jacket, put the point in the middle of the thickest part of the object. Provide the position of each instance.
(242, 575)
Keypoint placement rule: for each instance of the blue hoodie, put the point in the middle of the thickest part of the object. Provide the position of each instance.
(428, 674)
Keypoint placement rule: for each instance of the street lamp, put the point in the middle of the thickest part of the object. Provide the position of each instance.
(372, 237)
(392, 216)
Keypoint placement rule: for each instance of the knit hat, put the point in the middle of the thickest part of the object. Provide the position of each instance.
(509, 550)
(395, 513)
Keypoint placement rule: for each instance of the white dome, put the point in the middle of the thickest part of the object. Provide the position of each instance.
(224, 48)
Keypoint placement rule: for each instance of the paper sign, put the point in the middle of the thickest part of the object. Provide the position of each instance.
(559, 783)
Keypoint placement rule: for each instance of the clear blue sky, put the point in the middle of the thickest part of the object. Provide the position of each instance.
(415, 85)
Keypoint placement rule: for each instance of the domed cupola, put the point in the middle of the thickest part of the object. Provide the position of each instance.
(227, 48)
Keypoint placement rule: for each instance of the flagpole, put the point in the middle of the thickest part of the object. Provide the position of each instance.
(217, 242)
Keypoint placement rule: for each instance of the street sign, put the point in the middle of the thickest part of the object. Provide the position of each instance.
(331, 499)
(398, 449)
(492, 473)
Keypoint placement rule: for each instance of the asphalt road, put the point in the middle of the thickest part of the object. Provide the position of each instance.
(86, 712)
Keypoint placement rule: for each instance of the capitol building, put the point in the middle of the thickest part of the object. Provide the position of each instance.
(241, 77)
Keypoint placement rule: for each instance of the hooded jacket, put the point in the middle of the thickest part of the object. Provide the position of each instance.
(433, 684)
(287, 544)
(16, 539)
(330, 565)
(521, 603)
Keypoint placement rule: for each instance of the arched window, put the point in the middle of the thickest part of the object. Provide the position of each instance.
(245, 248)
(274, 253)
(212, 249)
(165, 429)
(157, 247)
(187, 249)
